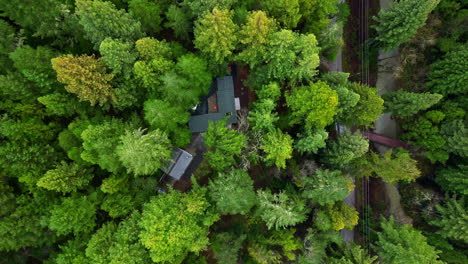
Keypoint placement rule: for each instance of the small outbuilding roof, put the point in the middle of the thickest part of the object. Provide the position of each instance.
(181, 159)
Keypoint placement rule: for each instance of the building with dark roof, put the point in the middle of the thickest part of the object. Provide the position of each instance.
(219, 103)
(180, 161)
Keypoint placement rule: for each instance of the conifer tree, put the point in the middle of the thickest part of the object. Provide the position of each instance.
(326, 186)
(453, 179)
(403, 104)
(278, 148)
(286, 12)
(401, 20)
(456, 134)
(66, 177)
(453, 219)
(346, 148)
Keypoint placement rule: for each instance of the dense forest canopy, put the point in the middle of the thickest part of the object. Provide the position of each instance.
(95, 95)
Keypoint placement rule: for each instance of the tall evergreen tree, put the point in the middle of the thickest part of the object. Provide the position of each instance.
(326, 186)
(453, 219)
(405, 104)
(453, 179)
(65, 178)
(401, 20)
(278, 148)
(346, 148)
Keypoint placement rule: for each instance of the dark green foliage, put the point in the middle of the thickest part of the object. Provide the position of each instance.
(453, 179)
(277, 246)
(367, 110)
(226, 247)
(232, 192)
(223, 145)
(346, 148)
(75, 214)
(286, 12)
(326, 186)
(453, 219)
(101, 19)
(400, 22)
(280, 210)
(315, 244)
(449, 75)
(179, 21)
(118, 56)
(201, 7)
(311, 141)
(456, 134)
(148, 13)
(402, 244)
(405, 104)
(316, 14)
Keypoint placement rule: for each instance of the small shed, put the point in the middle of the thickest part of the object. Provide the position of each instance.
(180, 161)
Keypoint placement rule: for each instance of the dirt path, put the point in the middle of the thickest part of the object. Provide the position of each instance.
(386, 82)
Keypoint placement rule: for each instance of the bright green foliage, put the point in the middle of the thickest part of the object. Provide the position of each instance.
(62, 104)
(275, 247)
(342, 216)
(76, 214)
(453, 219)
(453, 179)
(367, 110)
(314, 105)
(35, 66)
(254, 36)
(201, 7)
(175, 224)
(403, 104)
(282, 209)
(170, 118)
(118, 204)
(189, 80)
(150, 48)
(277, 147)
(270, 91)
(148, 13)
(401, 244)
(86, 77)
(311, 141)
(101, 19)
(66, 177)
(354, 254)
(226, 246)
(450, 74)
(346, 148)
(179, 21)
(223, 145)
(315, 244)
(347, 99)
(316, 14)
(100, 141)
(118, 56)
(424, 132)
(216, 35)
(326, 186)
(449, 254)
(144, 154)
(262, 116)
(290, 56)
(113, 244)
(72, 252)
(232, 192)
(399, 23)
(395, 166)
(456, 134)
(286, 12)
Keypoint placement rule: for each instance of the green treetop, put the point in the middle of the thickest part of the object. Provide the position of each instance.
(453, 219)
(401, 20)
(315, 105)
(403, 104)
(232, 192)
(144, 153)
(216, 35)
(367, 110)
(253, 36)
(456, 134)
(175, 224)
(282, 209)
(86, 77)
(286, 12)
(278, 148)
(453, 179)
(401, 244)
(395, 166)
(223, 145)
(119, 56)
(66, 177)
(101, 19)
(346, 148)
(326, 186)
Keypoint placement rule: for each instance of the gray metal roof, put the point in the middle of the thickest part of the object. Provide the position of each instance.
(226, 106)
(181, 159)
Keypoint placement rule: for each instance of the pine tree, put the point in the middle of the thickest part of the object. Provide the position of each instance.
(401, 244)
(367, 110)
(144, 153)
(453, 219)
(286, 12)
(449, 75)
(456, 134)
(278, 148)
(400, 22)
(216, 35)
(65, 178)
(119, 56)
(403, 104)
(232, 192)
(453, 179)
(86, 77)
(282, 209)
(346, 148)
(395, 166)
(326, 186)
